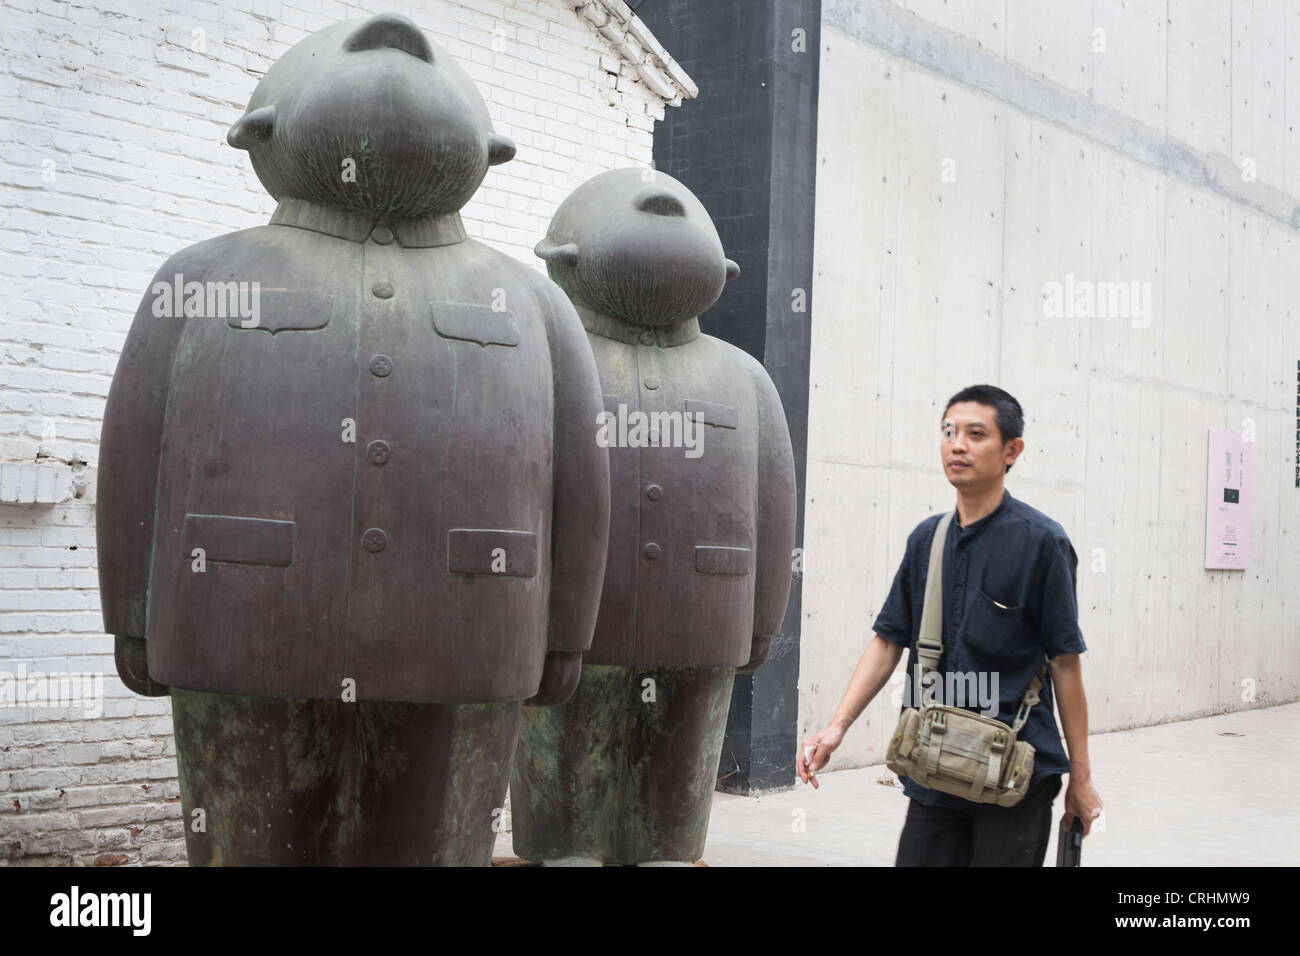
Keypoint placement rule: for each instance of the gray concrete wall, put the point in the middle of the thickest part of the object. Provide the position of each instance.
(969, 156)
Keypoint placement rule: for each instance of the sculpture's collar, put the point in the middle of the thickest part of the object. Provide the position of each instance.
(440, 229)
(664, 336)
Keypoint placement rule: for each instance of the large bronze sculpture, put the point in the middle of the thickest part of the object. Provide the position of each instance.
(352, 524)
(701, 532)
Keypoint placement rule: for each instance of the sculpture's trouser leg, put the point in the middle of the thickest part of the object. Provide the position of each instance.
(618, 777)
(320, 782)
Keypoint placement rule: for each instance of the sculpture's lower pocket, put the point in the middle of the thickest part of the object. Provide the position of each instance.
(239, 540)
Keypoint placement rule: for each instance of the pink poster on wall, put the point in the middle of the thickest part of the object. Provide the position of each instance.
(1227, 501)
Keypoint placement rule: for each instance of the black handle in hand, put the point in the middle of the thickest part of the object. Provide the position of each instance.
(1069, 843)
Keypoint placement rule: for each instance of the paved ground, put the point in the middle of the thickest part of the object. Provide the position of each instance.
(1220, 791)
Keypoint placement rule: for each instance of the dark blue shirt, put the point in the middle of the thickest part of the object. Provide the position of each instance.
(1018, 558)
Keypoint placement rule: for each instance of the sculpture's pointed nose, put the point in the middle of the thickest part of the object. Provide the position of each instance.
(660, 202)
(392, 31)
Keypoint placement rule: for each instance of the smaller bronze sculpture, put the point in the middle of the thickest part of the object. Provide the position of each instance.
(701, 533)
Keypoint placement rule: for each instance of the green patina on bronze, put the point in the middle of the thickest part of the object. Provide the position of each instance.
(324, 782)
(614, 777)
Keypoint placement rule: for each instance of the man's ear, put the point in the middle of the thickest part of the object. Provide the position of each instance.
(252, 128)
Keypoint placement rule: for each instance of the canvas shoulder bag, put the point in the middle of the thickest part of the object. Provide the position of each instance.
(951, 749)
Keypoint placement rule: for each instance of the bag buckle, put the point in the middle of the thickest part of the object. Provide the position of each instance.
(999, 742)
(938, 721)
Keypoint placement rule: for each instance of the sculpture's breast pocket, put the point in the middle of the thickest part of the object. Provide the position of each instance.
(710, 428)
(251, 308)
(479, 324)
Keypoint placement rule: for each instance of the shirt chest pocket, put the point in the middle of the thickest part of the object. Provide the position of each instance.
(996, 637)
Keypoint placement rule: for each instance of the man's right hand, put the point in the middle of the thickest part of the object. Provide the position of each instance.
(816, 752)
(875, 665)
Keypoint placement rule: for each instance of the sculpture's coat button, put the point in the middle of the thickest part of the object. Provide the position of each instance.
(652, 383)
(654, 492)
(374, 540)
(378, 451)
(652, 551)
(382, 235)
(647, 337)
(380, 365)
(382, 290)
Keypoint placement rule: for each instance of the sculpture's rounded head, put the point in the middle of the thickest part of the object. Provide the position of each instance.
(638, 246)
(373, 116)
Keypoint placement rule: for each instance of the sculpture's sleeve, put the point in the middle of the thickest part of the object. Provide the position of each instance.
(580, 513)
(777, 507)
(129, 451)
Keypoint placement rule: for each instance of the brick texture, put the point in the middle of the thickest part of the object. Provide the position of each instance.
(113, 119)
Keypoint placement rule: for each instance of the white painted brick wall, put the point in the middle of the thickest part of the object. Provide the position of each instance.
(111, 98)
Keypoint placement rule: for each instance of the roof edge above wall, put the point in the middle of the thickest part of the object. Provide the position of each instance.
(631, 39)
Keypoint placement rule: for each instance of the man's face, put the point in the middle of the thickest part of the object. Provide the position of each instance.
(971, 447)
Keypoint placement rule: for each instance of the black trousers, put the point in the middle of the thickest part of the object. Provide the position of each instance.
(981, 834)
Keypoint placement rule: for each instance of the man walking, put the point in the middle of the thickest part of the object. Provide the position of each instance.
(1008, 600)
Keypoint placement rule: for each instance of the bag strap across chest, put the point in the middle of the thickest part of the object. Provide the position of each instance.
(929, 645)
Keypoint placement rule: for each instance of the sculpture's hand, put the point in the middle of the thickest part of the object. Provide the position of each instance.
(559, 679)
(131, 655)
(758, 652)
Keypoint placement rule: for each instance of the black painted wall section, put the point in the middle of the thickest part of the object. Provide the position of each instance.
(747, 146)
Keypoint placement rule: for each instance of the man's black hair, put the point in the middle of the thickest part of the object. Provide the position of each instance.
(1009, 417)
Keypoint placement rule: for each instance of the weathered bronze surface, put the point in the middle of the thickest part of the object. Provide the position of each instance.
(701, 529)
(614, 777)
(380, 478)
(284, 782)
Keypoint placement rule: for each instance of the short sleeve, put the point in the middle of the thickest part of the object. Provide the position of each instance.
(894, 622)
(1058, 618)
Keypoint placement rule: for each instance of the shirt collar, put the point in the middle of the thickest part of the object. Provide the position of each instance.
(981, 523)
(663, 336)
(438, 229)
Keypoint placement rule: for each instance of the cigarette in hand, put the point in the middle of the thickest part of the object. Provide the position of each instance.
(807, 759)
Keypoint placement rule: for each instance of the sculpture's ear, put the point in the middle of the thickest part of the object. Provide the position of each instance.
(733, 270)
(501, 149)
(548, 250)
(252, 128)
